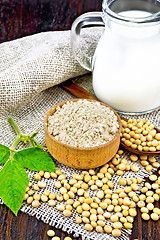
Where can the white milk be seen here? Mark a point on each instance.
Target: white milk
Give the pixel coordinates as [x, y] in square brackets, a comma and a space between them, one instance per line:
[126, 66]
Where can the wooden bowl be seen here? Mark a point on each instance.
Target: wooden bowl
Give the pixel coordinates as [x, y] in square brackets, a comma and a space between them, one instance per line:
[81, 158]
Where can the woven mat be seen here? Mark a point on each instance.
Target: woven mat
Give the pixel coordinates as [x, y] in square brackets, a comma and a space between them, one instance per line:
[28, 68]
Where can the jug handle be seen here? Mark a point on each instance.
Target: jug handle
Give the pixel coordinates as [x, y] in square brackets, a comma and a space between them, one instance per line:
[86, 19]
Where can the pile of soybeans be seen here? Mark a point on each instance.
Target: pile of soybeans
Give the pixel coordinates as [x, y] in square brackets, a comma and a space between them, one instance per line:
[108, 211]
[140, 134]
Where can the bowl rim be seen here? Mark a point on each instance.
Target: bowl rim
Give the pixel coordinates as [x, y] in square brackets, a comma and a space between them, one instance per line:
[52, 110]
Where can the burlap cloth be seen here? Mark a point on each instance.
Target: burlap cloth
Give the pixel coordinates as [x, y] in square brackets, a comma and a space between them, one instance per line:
[29, 70]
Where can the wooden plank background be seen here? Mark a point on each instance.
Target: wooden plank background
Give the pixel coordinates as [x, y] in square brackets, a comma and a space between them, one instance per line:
[20, 18]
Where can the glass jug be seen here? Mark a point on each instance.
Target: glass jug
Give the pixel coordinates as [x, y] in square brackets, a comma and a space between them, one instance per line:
[125, 66]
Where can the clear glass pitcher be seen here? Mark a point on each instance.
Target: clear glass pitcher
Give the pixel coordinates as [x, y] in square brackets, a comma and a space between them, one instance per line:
[125, 66]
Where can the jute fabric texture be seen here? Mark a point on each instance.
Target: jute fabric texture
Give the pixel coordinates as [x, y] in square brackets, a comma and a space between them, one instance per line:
[30, 69]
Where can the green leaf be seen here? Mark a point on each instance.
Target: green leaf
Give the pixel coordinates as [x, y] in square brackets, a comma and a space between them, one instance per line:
[34, 134]
[35, 159]
[4, 153]
[36, 144]
[13, 183]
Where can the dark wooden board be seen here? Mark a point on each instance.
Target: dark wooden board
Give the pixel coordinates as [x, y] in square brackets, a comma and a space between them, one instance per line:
[20, 18]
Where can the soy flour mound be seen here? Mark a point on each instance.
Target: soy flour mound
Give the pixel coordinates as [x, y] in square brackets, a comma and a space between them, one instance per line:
[83, 124]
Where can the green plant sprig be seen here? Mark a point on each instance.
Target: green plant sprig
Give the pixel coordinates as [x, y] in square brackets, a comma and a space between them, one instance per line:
[13, 176]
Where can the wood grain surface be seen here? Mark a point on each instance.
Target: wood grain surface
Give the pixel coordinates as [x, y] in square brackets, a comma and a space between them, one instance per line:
[20, 18]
